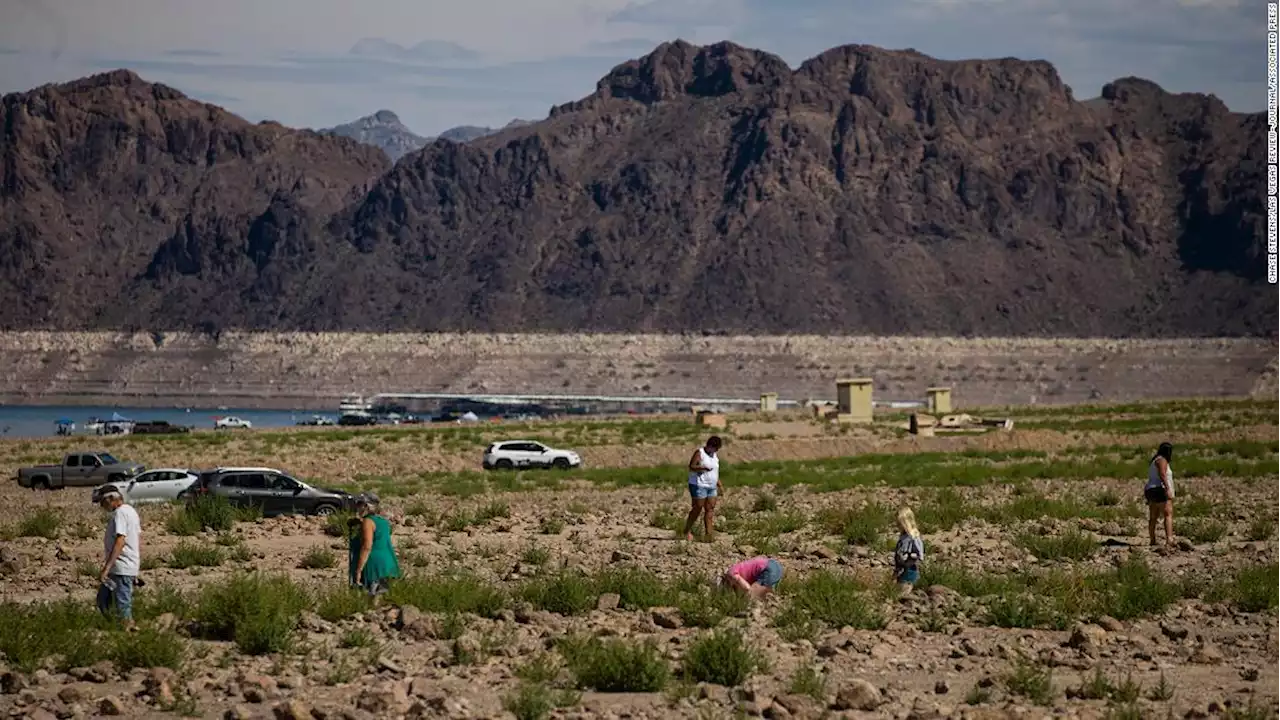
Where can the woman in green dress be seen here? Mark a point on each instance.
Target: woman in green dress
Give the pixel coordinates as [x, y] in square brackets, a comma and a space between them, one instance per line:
[372, 559]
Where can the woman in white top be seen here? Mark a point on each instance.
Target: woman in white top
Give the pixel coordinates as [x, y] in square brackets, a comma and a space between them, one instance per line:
[1159, 493]
[704, 486]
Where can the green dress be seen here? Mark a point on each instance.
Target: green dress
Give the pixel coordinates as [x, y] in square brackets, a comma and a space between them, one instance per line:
[382, 564]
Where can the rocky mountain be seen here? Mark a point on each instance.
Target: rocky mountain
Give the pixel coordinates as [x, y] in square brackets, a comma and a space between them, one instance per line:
[384, 130]
[697, 189]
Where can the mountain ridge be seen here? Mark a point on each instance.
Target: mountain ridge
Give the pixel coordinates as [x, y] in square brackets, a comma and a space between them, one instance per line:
[384, 130]
[702, 189]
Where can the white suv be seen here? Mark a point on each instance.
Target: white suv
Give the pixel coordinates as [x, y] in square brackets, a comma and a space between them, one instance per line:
[231, 422]
[511, 454]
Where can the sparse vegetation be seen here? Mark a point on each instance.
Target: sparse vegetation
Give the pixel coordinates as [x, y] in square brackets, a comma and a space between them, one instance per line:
[489, 555]
[611, 665]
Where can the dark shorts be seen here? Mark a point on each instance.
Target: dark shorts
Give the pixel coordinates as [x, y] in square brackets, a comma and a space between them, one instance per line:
[908, 575]
[1156, 495]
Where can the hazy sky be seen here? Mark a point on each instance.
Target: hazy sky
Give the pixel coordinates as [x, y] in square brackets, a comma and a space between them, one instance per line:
[316, 63]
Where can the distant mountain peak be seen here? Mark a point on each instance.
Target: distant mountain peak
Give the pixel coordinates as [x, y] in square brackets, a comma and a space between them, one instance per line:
[384, 130]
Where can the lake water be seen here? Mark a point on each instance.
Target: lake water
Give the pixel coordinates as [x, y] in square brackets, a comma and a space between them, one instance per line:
[40, 420]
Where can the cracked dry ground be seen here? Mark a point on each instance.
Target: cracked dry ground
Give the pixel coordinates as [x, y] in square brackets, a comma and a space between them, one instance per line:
[1039, 596]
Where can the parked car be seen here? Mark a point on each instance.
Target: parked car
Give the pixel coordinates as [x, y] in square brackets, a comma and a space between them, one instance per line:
[159, 485]
[275, 492]
[512, 454]
[79, 469]
[158, 427]
[231, 422]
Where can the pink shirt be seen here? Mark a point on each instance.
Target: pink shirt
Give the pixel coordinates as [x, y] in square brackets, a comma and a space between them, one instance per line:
[749, 570]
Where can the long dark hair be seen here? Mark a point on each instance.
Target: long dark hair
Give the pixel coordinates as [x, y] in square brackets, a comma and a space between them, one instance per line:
[1165, 451]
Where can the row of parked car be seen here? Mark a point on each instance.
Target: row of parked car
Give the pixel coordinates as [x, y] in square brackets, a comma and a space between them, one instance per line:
[273, 491]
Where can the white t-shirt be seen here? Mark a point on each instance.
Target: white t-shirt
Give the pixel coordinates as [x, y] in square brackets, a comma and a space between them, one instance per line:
[710, 478]
[124, 521]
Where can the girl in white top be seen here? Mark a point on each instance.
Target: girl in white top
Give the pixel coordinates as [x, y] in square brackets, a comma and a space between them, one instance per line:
[704, 486]
[1159, 493]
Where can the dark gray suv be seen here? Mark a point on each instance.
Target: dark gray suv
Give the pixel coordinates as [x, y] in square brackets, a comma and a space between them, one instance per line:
[271, 490]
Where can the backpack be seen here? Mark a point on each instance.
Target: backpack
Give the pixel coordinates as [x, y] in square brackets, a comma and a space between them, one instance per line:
[906, 554]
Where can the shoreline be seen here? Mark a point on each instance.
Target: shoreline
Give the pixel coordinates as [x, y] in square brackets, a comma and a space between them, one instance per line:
[192, 402]
[314, 371]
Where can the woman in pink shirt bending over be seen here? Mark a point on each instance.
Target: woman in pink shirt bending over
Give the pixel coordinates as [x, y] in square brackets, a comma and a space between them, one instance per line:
[756, 577]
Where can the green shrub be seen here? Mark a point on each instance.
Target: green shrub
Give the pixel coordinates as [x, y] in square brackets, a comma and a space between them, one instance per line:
[318, 558]
[565, 593]
[835, 600]
[31, 633]
[1071, 545]
[206, 512]
[41, 523]
[721, 657]
[1031, 681]
[1256, 588]
[707, 607]
[336, 525]
[457, 592]
[637, 588]
[146, 648]
[1201, 530]
[188, 555]
[858, 526]
[258, 612]
[614, 665]
[340, 602]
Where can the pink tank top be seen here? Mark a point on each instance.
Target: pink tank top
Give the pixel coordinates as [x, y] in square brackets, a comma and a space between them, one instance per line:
[749, 570]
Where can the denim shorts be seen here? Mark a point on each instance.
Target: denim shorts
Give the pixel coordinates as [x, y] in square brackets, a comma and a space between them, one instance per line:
[771, 575]
[120, 599]
[909, 575]
[701, 493]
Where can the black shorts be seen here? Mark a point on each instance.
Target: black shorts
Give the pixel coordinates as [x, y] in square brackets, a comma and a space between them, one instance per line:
[1156, 495]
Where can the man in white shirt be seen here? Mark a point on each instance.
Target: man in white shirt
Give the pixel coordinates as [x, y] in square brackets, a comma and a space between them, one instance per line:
[121, 558]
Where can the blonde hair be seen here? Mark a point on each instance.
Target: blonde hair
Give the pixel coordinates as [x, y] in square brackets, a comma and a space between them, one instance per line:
[907, 522]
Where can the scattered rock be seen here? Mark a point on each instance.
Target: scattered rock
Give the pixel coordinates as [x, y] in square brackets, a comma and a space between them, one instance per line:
[1185, 545]
[389, 665]
[941, 687]
[794, 704]
[1087, 638]
[667, 617]
[384, 700]
[1110, 624]
[1249, 674]
[1207, 654]
[608, 601]
[857, 695]
[11, 562]
[12, 683]
[111, 706]
[1173, 631]
[292, 710]
[72, 694]
[620, 556]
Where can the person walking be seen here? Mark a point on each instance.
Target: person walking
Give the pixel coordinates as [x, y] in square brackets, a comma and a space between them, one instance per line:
[704, 487]
[372, 562]
[908, 553]
[121, 558]
[1159, 493]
